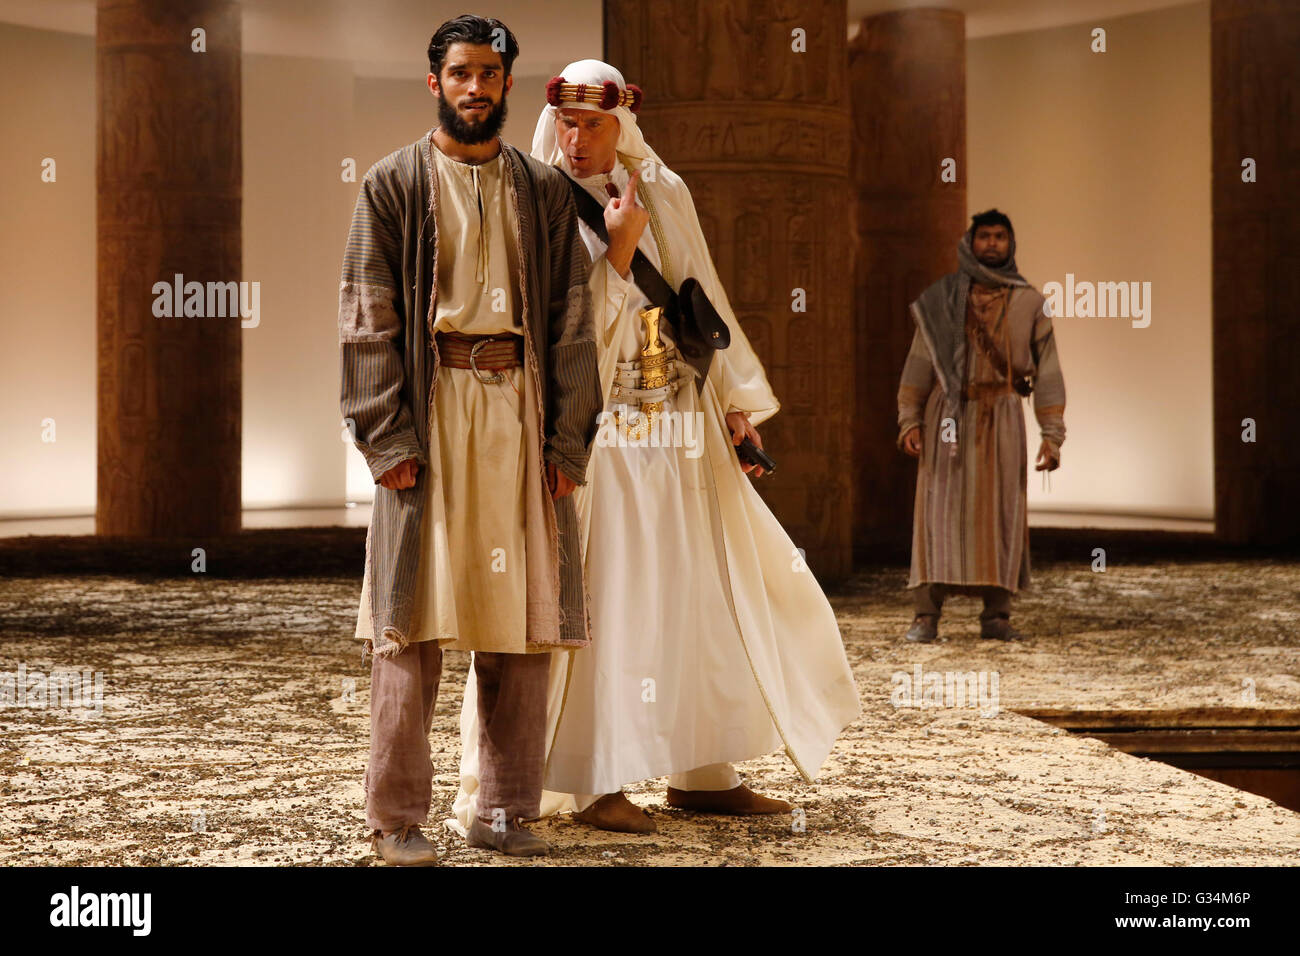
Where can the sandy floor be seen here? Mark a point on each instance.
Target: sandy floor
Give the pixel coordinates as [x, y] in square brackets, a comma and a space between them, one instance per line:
[228, 699]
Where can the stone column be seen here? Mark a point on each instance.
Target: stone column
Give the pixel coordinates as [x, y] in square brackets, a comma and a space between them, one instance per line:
[760, 133]
[907, 80]
[168, 176]
[1255, 89]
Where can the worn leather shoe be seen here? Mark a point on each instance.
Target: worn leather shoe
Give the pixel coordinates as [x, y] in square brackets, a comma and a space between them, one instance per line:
[924, 629]
[405, 847]
[1000, 629]
[738, 802]
[514, 840]
[614, 811]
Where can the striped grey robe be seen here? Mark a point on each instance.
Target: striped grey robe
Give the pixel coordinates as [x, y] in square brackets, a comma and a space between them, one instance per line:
[389, 372]
[970, 520]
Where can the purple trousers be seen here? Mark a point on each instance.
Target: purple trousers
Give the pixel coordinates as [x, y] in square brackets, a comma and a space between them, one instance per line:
[511, 745]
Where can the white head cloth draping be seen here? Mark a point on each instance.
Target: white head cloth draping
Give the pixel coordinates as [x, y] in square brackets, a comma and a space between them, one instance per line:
[546, 145]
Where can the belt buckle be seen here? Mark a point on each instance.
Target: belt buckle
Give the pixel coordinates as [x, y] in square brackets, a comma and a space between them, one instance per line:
[492, 379]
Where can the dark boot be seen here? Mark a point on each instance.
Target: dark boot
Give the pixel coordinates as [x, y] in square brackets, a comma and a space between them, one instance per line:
[924, 629]
[999, 628]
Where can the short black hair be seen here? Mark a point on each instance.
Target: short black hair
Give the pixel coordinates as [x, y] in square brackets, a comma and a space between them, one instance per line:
[480, 31]
[990, 217]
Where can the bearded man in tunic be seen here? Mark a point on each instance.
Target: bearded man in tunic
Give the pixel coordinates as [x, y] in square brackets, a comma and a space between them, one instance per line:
[712, 642]
[983, 341]
[470, 378]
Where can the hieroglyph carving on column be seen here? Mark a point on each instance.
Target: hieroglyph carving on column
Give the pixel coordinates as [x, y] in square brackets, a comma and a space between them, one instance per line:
[747, 102]
[169, 179]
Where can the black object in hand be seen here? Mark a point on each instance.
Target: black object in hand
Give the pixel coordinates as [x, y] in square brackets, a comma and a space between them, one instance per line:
[751, 454]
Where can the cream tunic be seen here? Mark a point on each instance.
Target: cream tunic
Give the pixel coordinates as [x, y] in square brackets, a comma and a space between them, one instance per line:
[474, 588]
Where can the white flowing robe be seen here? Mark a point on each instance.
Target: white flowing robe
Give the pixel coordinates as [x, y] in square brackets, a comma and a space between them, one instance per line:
[711, 640]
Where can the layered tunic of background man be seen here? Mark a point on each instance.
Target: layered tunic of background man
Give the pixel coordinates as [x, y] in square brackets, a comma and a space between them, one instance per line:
[970, 522]
[476, 555]
[711, 641]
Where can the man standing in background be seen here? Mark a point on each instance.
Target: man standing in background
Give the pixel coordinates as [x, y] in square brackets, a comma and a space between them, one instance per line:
[982, 343]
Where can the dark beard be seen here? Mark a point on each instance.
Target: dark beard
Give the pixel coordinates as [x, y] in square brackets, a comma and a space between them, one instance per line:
[471, 134]
[994, 265]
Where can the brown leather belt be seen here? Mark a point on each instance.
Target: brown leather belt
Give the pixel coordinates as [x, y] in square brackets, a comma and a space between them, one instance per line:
[984, 390]
[481, 353]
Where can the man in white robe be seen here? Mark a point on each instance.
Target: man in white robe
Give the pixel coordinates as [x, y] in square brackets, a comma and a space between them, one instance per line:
[712, 642]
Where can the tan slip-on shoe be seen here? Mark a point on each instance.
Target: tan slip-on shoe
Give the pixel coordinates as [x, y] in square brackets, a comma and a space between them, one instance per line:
[405, 847]
[514, 840]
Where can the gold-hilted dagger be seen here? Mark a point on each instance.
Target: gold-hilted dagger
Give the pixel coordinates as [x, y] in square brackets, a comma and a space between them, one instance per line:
[654, 371]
